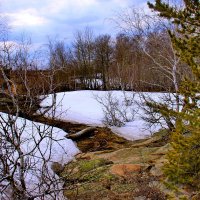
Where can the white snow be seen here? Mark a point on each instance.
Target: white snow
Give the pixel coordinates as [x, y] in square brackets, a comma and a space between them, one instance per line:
[76, 106]
[53, 146]
[82, 107]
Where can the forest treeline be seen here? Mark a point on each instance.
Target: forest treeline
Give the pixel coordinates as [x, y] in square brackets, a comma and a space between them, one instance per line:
[140, 58]
[138, 63]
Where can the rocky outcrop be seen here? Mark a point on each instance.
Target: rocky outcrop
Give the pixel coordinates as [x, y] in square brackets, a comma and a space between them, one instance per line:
[132, 170]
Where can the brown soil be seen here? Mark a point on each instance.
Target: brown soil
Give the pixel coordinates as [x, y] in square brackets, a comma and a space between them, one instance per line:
[102, 139]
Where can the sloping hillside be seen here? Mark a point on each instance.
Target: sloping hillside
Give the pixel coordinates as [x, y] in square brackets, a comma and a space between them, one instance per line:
[132, 169]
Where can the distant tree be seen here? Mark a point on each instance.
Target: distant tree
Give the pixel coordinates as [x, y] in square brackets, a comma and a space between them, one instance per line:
[58, 54]
[124, 70]
[103, 58]
[183, 159]
[83, 51]
[60, 60]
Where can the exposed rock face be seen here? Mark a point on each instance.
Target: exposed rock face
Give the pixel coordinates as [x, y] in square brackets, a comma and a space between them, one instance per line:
[123, 173]
[120, 170]
[124, 169]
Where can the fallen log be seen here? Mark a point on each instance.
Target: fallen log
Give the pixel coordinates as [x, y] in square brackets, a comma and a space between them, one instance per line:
[82, 133]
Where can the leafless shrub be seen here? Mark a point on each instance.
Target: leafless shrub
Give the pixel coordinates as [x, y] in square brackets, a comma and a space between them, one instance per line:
[155, 109]
[27, 149]
[117, 110]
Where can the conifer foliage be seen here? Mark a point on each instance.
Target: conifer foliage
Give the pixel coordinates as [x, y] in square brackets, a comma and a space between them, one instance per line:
[183, 166]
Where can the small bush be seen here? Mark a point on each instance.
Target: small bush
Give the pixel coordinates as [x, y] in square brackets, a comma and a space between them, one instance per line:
[117, 110]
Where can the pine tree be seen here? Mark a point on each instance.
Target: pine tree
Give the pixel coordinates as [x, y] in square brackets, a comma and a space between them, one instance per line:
[183, 166]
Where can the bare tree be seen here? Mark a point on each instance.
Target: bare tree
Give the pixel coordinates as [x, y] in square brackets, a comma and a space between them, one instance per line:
[126, 72]
[153, 40]
[60, 60]
[27, 152]
[27, 149]
[84, 55]
[103, 58]
[117, 109]
[163, 68]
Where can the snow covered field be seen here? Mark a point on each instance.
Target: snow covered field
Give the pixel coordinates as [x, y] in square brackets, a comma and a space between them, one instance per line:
[82, 107]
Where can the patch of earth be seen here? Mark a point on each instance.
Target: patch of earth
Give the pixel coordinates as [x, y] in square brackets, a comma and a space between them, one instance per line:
[102, 139]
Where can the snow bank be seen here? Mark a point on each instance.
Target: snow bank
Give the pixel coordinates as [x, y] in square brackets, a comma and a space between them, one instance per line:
[82, 107]
[53, 146]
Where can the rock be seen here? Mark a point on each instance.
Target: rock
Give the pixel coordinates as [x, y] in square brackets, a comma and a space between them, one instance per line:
[140, 198]
[196, 197]
[146, 142]
[85, 132]
[123, 169]
[83, 156]
[156, 171]
[163, 150]
[112, 173]
[57, 168]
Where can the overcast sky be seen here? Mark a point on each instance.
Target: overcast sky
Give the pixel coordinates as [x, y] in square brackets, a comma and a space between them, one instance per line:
[61, 18]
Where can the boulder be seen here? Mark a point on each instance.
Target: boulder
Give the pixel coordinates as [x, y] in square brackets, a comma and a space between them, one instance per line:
[124, 169]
